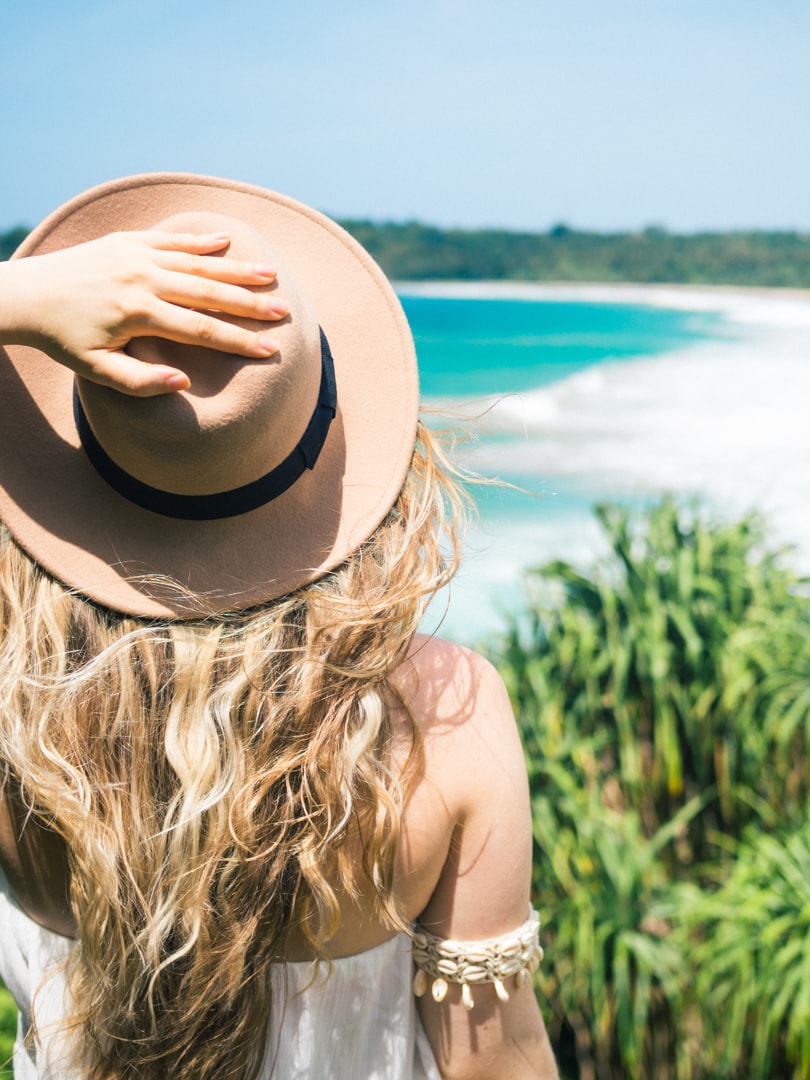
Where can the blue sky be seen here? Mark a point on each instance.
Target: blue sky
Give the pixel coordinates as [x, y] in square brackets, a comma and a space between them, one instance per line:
[519, 113]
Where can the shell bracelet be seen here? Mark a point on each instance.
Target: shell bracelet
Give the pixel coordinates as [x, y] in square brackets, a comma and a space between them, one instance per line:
[472, 963]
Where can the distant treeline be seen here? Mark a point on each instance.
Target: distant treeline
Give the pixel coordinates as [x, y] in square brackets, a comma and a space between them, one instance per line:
[412, 251]
[11, 240]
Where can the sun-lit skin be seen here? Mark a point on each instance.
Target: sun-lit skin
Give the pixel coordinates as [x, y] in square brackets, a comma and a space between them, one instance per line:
[127, 285]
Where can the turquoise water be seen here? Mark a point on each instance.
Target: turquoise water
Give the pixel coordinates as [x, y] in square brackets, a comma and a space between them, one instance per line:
[538, 351]
[473, 347]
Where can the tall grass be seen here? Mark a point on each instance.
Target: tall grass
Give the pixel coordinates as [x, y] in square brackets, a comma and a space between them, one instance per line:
[8, 1030]
[664, 703]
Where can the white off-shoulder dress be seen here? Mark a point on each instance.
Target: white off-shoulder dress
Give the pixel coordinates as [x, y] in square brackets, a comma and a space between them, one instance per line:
[359, 1024]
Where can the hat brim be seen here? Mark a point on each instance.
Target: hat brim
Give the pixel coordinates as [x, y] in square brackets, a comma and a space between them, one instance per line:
[133, 560]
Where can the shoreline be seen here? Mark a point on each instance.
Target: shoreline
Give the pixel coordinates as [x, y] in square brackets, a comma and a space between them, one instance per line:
[740, 304]
[498, 285]
[723, 420]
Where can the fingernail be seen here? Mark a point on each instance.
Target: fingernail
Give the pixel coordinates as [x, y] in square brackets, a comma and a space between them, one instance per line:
[279, 307]
[179, 381]
[268, 345]
[221, 236]
[265, 271]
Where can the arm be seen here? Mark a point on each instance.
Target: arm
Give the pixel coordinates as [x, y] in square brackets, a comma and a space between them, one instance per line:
[483, 891]
[84, 304]
[34, 859]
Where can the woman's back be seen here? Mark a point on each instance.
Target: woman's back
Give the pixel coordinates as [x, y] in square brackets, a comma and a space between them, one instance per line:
[457, 849]
[358, 1022]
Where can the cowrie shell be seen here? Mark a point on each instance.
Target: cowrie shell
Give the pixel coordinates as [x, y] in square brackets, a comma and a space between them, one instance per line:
[477, 956]
[474, 974]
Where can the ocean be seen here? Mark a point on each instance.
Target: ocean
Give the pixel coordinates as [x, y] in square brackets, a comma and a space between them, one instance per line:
[577, 395]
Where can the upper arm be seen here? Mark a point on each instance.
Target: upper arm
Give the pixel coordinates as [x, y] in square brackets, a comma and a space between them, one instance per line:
[483, 891]
[34, 859]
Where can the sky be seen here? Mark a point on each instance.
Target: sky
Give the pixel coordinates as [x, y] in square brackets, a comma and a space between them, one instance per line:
[687, 114]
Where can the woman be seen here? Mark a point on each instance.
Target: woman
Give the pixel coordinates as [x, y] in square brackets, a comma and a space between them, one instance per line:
[234, 774]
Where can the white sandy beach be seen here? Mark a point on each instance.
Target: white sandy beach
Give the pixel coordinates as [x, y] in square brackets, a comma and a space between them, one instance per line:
[726, 419]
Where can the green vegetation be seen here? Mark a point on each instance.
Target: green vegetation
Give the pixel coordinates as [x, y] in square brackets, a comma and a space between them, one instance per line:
[8, 1031]
[10, 241]
[665, 709]
[412, 251]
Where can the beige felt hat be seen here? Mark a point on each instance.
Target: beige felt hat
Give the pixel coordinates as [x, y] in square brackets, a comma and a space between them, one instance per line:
[261, 477]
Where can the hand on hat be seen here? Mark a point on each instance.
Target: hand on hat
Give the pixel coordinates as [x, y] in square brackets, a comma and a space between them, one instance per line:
[84, 304]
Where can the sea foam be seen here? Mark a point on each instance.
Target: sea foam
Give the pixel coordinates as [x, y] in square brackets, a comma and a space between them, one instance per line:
[724, 420]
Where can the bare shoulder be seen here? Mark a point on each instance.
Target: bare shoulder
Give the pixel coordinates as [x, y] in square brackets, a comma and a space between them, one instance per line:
[462, 708]
[440, 664]
[450, 687]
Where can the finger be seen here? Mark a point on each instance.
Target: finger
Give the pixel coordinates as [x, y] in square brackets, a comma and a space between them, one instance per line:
[212, 295]
[189, 251]
[201, 329]
[233, 271]
[199, 243]
[131, 376]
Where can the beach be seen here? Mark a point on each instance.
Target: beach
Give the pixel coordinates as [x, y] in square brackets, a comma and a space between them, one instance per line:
[723, 419]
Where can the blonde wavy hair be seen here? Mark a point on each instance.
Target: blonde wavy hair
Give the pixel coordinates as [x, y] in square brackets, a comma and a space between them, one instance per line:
[217, 782]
